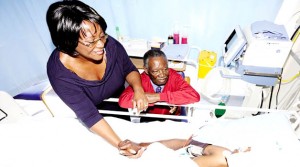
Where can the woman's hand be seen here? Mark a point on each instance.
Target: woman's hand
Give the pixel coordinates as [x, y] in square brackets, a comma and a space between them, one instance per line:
[130, 149]
[139, 101]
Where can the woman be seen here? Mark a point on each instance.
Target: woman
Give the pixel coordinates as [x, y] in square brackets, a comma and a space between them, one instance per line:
[88, 66]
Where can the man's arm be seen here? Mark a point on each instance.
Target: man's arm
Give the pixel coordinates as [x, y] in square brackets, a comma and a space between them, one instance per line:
[125, 99]
[174, 144]
[180, 92]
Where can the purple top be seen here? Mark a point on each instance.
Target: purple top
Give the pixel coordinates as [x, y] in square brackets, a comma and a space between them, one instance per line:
[83, 96]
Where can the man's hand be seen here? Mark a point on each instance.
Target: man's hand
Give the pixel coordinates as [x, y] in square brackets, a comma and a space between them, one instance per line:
[153, 97]
[173, 109]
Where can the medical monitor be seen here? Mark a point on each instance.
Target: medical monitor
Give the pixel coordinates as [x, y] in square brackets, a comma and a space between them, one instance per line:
[234, 46]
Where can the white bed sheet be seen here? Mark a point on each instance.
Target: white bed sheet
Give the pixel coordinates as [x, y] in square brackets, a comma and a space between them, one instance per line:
[271, 137]
[65, 142]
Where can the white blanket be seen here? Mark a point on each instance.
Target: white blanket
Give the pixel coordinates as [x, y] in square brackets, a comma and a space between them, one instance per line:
[66, 142]
[270, 136]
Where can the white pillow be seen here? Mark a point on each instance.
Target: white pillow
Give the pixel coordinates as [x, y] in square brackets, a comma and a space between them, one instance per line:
[11, 111]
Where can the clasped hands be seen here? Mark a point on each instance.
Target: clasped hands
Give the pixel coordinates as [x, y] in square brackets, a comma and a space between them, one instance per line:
[130, 149]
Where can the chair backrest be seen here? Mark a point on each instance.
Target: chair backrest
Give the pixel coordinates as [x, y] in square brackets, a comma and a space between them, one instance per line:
[184, 109]
[55, 105]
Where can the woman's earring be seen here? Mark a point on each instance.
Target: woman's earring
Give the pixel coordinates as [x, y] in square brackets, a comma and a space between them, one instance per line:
[75, 53]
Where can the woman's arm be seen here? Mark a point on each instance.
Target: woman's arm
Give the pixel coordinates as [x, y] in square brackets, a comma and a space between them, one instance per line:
[103, 129]
[139, 100]
[126, 147]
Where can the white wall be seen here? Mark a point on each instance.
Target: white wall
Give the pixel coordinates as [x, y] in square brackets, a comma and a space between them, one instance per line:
[25, 43]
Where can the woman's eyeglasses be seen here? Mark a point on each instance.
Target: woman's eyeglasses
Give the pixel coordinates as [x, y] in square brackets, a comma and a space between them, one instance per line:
[94, 43]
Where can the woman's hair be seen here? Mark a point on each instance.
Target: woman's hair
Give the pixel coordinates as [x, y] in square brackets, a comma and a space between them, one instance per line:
[64, 19]
[152, 53]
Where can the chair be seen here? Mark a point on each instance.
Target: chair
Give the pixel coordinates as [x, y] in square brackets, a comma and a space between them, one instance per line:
[55, 105]
[183, 109]
[33, 92]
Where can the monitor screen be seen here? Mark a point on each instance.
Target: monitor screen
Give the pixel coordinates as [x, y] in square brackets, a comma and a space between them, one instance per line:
[234, 45]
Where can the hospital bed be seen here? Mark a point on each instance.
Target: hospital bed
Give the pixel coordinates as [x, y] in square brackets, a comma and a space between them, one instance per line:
[60, 139]
[31, 141]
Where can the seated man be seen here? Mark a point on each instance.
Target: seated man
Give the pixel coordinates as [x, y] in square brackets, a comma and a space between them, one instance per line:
[161, 84]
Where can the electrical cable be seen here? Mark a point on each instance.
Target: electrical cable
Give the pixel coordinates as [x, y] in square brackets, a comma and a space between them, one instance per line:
[296, 34]
[270, 100]
[279, 85]
[289, 96]
[291, 79]
[262, 99]
[261, 103]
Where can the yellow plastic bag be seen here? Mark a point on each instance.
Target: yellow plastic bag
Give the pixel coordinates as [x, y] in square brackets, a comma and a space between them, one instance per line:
[206, 61]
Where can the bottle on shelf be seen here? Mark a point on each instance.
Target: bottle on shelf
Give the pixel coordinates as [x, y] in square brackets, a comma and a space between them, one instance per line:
[170, 39]
[184, 35]
[176, 38]
[176, 33]
[119, 37]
